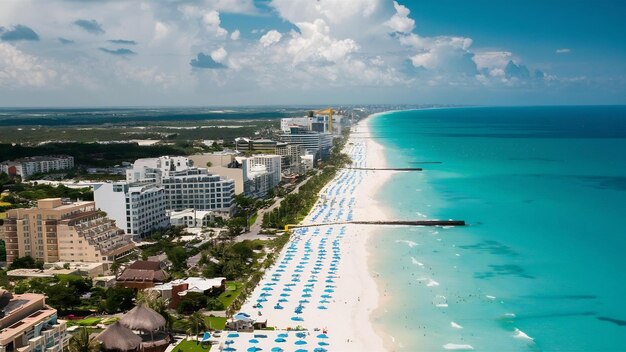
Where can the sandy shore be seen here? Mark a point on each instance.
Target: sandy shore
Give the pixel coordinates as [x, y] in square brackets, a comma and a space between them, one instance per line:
[321, 281]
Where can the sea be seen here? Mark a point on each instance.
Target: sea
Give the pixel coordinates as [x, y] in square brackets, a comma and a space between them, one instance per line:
[541, 264]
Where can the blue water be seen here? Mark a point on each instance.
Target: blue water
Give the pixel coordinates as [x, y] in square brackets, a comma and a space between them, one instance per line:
[543, 190]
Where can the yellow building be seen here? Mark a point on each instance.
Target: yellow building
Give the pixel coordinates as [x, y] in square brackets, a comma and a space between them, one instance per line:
[61, 231]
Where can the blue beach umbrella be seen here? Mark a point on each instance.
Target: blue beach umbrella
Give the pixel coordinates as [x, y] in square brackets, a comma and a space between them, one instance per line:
[280, 339]
[277, 349]
[325, 301]
[283, 300]
[303, 301]
[283, 335]
[254, 349]
[267, 289]
[232, 335]
[322, 336]
[253, 341]
[320, 349]
[230, 349]
[300, 335]
[329, 290]
[322, 307]
[306, 295]
[229, 342]
[301, 350]
[300, 342]
[308, 289]
[322, 343]
[297, 319]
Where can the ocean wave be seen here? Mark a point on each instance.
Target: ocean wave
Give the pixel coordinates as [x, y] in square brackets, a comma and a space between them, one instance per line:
[409, 243]
[519, 334]
[458, 347]
[455, 325]
[416, 262]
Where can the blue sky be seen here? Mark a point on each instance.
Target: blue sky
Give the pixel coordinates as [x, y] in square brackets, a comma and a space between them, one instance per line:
[266, 52]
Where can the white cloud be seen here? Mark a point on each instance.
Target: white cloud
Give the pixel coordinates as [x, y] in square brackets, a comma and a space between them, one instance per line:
[18, 69]
[161, 30]
[212, 22]
[219, 55]
[314, 43]
[235, 35]
[400, 21]
[271, 37]
[563, 51]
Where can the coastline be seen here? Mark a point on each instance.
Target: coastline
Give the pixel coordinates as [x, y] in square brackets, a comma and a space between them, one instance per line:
[318, 292]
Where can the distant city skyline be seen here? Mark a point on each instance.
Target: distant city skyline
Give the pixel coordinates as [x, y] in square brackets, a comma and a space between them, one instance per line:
[77, 53]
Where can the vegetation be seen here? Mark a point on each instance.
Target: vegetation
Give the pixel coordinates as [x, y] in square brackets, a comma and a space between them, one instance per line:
[295, 206]
[233, 289]
[191, 346]
[26, 262]
[83, 342]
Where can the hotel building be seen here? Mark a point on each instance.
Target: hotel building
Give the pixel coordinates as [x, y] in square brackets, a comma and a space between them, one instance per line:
[27, 324]
[27, 167]
[58, 231]
[137, 208]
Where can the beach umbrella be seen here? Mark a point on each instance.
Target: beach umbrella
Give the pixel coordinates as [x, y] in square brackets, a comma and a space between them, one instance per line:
[230, 349]
[322, 336]
[280, 339]
[326, 296]
[267, 289]
[283, 300]
[277, 349]
[261, 300]
[322, 343]
[254, 349]
[330, 280]
[308, 289]
[284, 295]
[320, 349]
[260, 336]
[324, 301]
[300, 342]
[253, 341]
[301, 350]
[306, 295]
[300, 335]
[297, 319]
[229, 342]
[290, 284]
[303, 301]
[322, 307]
[232, 335]
[312, 280]
[287, 289]
[283, 335]
[329, 290]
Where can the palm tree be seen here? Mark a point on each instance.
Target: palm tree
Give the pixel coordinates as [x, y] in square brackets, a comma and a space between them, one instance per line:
[82, 342]
[198, 324]
[153, 300]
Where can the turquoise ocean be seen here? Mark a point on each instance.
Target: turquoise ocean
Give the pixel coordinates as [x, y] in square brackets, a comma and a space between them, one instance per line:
[541, 265]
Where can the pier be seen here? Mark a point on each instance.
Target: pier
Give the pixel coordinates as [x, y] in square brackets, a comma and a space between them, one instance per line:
[384, 223]
[385, 168]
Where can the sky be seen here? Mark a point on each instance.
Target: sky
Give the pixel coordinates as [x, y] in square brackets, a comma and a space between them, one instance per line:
[81, 53]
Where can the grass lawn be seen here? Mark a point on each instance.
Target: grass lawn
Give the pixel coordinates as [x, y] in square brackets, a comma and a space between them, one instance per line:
[85, 322]
[233, 289]
[191, 346]
[253, 219]
[216, 323]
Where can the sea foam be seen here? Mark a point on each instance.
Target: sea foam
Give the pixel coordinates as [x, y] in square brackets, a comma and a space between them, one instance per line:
[458, 347]
[414, 261]
[519, 334]
[409, 243]
[455, 325]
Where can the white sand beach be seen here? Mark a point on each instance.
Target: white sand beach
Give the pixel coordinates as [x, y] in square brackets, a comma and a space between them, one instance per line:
[321, 282]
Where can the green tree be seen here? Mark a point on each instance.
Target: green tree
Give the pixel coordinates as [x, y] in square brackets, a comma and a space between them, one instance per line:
[62, 297]
[119, 299]
[197, 324]
[26, 262]
[82, 342]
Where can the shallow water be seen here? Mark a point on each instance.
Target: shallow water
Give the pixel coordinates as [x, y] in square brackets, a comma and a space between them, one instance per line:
[540, 266]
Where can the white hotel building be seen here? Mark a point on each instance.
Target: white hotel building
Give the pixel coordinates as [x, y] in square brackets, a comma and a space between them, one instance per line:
[185, 186]
[138, 209]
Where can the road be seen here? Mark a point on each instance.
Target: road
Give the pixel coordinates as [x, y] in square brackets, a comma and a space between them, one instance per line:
[255, 229]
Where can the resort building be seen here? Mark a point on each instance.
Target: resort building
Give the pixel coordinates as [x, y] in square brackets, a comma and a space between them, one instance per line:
[291, 154]
[27, 167]
[317, 144]
[56, 230]
[253, 176]
[185, 186]
[255, 145]
[177, 289]
[91, 270]
[192, 218]
[27, 324]
[137, 208]
[142, 274]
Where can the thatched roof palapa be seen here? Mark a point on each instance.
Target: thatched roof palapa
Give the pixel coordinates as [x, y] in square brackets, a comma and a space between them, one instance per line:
[118, 337]
[143, 318]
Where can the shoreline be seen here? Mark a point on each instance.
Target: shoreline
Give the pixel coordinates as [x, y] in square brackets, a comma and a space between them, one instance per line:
[322, 280]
